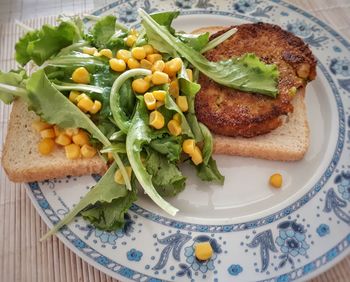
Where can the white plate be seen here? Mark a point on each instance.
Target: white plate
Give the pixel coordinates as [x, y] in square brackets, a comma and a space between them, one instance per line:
[257, 233]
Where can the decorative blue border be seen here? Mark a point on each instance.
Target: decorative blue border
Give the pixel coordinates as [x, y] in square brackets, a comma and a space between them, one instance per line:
[296, 273]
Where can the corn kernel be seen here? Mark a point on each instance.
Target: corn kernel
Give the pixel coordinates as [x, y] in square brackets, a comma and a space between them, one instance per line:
[138, 53]
[181, 101]
[130, 40]
[150, 101]
[154, 57]
[159, 104]
[148, 78]
[110, 156]
[133, 63]
[63, 139]
[159, 78]
[47, 133]
[40, 125]
[156, 119]
[158, 65]
[159, 95]
[173, 66]
[57, 130]
[72, 151]
[81, 75]
[96, 107]
[203, 251]
[188, 146]
[85, 104]
[134, 31]
[145, 64]
[124, 55]
[107, 53]
[196, 156]
[140, 85]
[87, 151]
[177, 117]
[46, 146]
[117, 64]
[174, 127]
[148, 49]
[276, 180]
[118, 177]
[97, 54]
[174, 88]
[71, 131]
[89, 50]
[189, 74]
[82, 138]
[73, 96]
[81, 96]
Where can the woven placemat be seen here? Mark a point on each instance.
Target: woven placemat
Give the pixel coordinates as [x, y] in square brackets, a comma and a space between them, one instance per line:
[22, 256]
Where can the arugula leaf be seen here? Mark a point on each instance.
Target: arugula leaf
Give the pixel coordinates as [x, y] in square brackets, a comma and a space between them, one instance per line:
[210, 172]
[246, 73]
[76, 59]
[11, 86]
[218, 40]
[119, 115]
[165, 19]
[207, 149]
[169, 146]
[166, 177]
[105, 191]
[55, 108]
[195, 41]
[103, 30]
[139, 134]
[22, 55]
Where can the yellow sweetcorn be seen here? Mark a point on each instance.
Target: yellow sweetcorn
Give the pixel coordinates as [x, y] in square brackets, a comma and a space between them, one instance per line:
[173, 66]
[140, 85]
[89, 50]
[181, 101]
[57, 130]
[154, 57]
[134, 31]
[145, 64]
[133, 63]
[124, 55]
[177, 117]
[138, 53]
[196, 156]
[148, 49]
[118, 177]
[73, 96]
[118, 65]
[87, 151]
[159, 77]
[85, 104]
[158, 66]
[148, 78]
[159, 104]
[96, 107]
[159, 95]
[81, 75]
[203, 251]
[188, 146]
[40, 125]
[81, 138]
[63, 139]
[174, 88]
[189, 74]
[46, 146]
[156, 120]
[47, 133]
[71, 131]
[276, 180]
[72, 151]
[150, 101]
[130, 40]
[81, 96]
[174, 127]
[106, 53]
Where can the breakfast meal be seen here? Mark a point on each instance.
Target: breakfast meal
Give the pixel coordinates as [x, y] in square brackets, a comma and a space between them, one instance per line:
[133, 105]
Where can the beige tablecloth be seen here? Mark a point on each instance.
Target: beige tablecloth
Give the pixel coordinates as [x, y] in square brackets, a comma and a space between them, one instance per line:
[22, 256]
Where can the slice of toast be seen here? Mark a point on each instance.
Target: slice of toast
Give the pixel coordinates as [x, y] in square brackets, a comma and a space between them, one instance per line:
[22, 161]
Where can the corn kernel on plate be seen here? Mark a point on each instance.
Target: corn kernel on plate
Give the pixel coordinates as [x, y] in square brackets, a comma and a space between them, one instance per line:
[270, 221]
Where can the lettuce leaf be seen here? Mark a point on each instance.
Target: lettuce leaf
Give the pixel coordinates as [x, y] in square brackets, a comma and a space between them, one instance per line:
[169, 146]
[210, 172]
[22, 55]
[12, 86]
[103, 30]
[246, 73]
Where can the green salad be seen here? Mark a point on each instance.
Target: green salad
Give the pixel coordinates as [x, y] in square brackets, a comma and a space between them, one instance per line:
[132, 92]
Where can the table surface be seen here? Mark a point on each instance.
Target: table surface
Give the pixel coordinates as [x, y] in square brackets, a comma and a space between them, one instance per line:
[22, 256]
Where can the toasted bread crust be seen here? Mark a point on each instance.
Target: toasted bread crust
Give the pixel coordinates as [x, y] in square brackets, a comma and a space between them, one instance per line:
[22, 161]
[231, 112]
